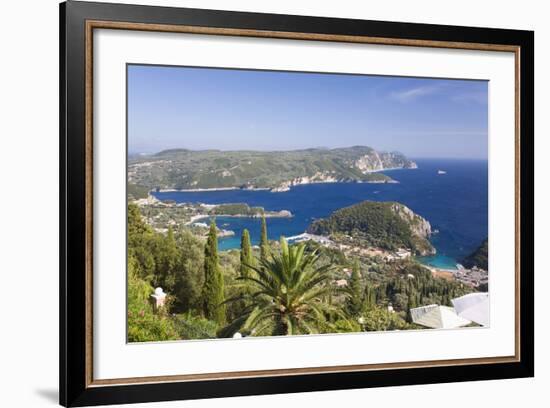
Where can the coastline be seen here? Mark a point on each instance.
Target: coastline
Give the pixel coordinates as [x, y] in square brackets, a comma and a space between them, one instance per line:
[446, 244]
[193, 190]
[392, 169]
[285, 186]
[195, 218]
[273, 189]
[203, 190]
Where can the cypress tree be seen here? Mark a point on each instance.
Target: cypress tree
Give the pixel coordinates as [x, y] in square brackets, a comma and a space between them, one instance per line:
[264, 243]
[246, 254]
[370, 297]
[167, 261]
[213, 291]
[247, 260]
[355, 301]
[411, 304]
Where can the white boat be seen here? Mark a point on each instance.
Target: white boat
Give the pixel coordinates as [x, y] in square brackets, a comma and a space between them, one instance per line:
[441, 172]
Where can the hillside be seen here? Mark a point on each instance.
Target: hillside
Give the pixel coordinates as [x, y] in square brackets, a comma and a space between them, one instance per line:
[479, 258]
[277, 170]
[388, 225]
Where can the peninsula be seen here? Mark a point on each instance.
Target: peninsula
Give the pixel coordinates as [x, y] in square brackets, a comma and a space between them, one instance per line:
[182, 169]
[161, 215]
[386, 225]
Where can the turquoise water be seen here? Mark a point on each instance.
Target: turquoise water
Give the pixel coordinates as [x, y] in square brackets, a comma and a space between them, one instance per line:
[455, 204]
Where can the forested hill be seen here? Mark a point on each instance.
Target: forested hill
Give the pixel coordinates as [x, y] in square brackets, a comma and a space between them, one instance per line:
[479, 258]
[189, 169]
[388, 225]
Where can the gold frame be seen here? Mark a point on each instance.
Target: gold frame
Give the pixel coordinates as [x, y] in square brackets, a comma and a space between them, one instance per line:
[99, 24]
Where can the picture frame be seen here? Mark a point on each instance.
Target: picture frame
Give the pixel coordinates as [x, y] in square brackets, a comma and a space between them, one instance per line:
[79, 21]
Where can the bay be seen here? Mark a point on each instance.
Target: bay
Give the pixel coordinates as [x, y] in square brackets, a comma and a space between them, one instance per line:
[455, 203]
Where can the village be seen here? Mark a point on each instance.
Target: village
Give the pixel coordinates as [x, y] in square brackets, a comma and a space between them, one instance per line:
[473, 277]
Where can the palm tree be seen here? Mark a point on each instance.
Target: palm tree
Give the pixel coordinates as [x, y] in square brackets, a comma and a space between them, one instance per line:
[287, 294]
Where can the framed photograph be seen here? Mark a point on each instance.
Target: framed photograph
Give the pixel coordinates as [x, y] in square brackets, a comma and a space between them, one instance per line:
[256, 204]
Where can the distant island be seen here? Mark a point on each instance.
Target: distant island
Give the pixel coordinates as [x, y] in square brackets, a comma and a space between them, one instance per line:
[182, 169]
[387, 225]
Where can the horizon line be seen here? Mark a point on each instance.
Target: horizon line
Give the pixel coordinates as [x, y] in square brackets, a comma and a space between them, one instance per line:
[412, 157]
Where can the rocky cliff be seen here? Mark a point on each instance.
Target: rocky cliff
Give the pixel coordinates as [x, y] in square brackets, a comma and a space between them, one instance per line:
[277, 170]
[388, 225]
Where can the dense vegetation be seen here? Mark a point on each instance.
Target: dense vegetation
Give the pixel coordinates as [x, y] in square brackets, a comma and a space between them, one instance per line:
[287, 294]
[277, 289]
[386, 225]
[410, 285]
[236, 209]
[479, 258]
[136, 192]
[184, 169]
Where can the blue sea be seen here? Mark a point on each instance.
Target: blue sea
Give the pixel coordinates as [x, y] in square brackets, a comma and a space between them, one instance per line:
[455, 203]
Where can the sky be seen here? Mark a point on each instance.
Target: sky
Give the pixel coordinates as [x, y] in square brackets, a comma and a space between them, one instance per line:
[227, 109]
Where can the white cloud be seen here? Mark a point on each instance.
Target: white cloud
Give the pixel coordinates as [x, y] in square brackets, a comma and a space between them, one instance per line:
[413, 94]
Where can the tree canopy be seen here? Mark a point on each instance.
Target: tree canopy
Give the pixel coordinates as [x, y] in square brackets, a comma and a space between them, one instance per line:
[213, 291]
[278, 289]
[380, 224]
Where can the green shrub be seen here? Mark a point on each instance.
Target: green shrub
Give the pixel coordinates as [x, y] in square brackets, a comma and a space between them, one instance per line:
[195, 327]
[143, 323]
[380, 319]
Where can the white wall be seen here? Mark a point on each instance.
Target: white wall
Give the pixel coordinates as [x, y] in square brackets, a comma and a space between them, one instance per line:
[29, 219]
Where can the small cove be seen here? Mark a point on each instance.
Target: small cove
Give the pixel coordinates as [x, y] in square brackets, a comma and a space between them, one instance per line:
[455, 203]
